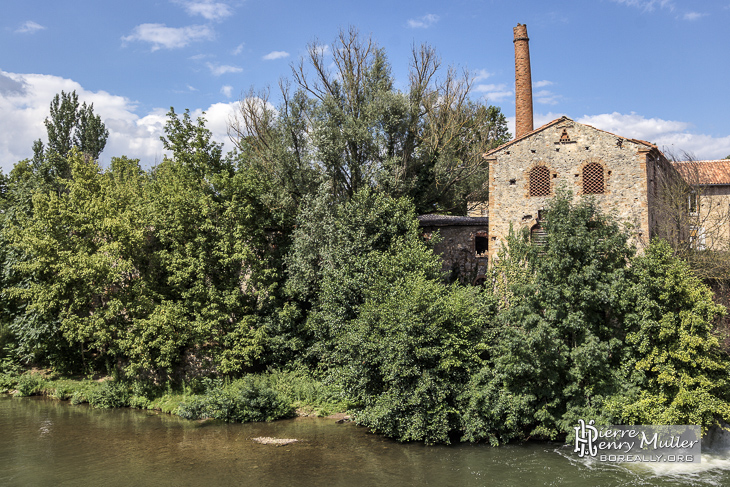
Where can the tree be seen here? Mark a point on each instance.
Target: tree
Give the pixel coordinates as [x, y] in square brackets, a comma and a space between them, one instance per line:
[556, 344]
[382, 325]
[681, 374]
[68, 126]
[192, 145]
[349, 128]
[72, 126]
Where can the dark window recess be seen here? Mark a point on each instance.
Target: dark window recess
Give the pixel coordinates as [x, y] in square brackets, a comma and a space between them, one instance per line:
[481, 244]
[593, 179]
[564, 137]
[539, 181]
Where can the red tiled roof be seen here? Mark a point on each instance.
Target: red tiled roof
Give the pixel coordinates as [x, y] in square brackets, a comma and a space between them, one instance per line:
[704, 172]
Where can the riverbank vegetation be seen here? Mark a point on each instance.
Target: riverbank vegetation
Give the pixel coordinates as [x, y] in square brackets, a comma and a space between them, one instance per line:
[291, 273]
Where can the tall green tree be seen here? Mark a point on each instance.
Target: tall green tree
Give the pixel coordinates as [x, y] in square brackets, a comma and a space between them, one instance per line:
[69, 125]
[348, 127]
[681, 375]
[557, 343]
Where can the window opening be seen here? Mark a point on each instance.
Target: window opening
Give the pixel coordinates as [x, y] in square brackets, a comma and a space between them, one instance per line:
[539, 181]
[692, 202]
[697, 237]
[481, 244]
[593, 179]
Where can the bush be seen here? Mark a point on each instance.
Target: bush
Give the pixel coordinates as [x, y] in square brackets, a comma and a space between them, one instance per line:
[30, 384]
[250, 399]
[110, 394]
[305, 391]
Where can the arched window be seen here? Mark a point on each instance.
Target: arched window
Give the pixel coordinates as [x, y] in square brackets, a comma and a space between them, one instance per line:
[593, 179]
[540, 181]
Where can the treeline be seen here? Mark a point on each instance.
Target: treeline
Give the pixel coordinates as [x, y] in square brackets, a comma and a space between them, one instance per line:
[300, 250]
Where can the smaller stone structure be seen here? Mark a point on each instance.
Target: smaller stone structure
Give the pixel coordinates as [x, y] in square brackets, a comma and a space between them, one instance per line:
[463, 245]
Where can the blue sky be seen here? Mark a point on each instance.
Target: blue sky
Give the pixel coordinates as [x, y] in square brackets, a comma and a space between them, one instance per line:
[651, 69]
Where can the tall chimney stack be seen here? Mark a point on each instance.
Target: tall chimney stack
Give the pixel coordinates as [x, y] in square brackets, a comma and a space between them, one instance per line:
[523, 82]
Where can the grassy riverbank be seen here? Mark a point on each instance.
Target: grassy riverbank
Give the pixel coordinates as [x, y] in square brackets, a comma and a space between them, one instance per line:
[254, 397]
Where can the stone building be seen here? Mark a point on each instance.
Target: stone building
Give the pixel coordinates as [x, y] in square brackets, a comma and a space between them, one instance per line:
[629, 178]
[703, 204]
[622, 174]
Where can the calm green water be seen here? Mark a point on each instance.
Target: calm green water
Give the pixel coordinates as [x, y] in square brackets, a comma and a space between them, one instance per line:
[45, 442]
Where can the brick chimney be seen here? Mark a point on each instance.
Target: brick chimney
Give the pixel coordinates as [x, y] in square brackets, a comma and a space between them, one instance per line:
[523, 82]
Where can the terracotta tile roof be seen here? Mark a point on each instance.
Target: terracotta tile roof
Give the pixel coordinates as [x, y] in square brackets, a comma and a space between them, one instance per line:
[704, 172]
[561, 119]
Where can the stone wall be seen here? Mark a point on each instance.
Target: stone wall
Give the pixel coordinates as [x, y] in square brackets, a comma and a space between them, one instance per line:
[460, 240]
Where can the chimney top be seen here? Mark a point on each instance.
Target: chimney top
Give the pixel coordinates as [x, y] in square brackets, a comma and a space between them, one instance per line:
[523, 82]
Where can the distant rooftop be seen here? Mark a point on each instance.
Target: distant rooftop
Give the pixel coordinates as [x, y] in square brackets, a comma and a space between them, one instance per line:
[705, 173]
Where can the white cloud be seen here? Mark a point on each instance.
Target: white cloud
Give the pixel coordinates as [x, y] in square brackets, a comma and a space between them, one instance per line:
[219, 69]
[481, 75]
[207, 9]
[648, 5]
[542, 84]
[693, 16]
[423, 22]
[633, 125]
[546, 97]
[25, 100]
[670, 135]
[227, 90]
[275, 55]
[322, 49]
[238, 50]
[29, 27]
[217, 117]
[494, 93]
[161, 36]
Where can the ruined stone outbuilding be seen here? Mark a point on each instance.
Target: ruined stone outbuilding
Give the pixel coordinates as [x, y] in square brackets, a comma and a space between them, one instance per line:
[462, 243]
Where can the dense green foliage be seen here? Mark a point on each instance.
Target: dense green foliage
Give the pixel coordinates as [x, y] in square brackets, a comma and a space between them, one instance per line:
[557, 341]
[683, 375]
[251, 399]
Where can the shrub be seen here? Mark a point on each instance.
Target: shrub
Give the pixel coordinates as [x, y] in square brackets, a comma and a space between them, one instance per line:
[250, 399]
[110, 394]
[30, 384]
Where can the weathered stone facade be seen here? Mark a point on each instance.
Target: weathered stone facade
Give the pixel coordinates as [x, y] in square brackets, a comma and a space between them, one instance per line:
[624, 174]
[463, 245]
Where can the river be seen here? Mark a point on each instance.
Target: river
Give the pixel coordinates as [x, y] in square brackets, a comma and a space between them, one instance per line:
[50, 443]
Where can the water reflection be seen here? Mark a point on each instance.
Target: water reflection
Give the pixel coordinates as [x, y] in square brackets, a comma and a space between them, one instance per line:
[45, 442]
